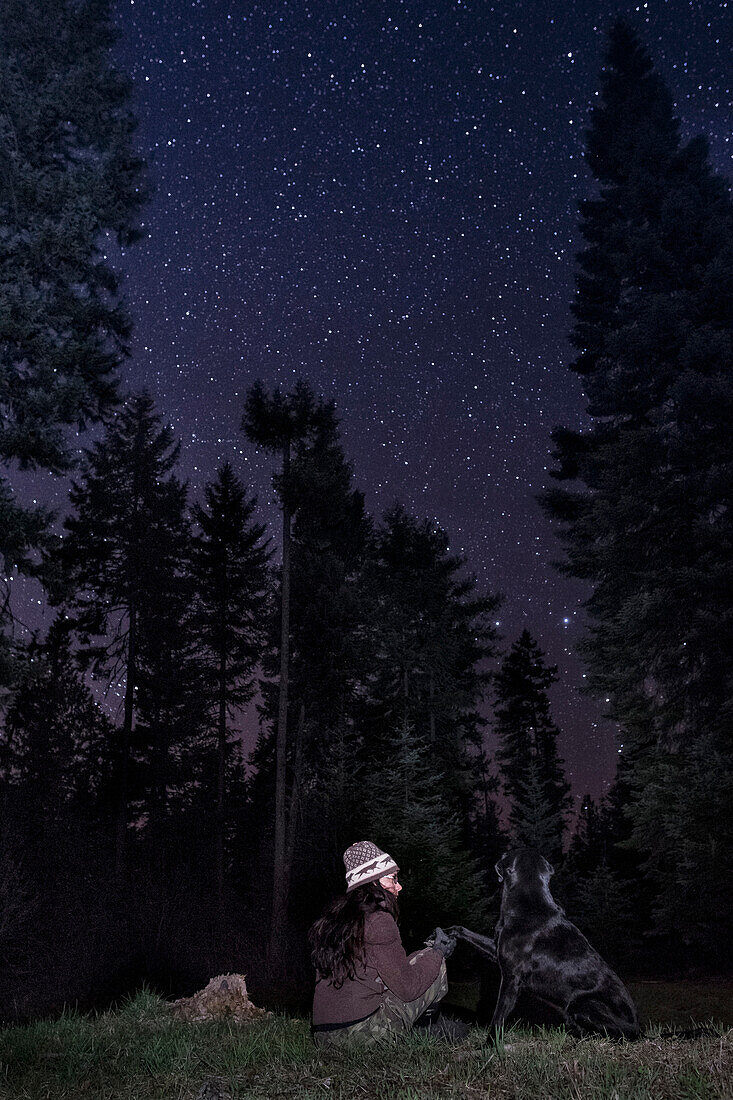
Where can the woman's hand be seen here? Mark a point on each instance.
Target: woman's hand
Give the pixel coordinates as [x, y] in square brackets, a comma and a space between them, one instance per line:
[441, 942]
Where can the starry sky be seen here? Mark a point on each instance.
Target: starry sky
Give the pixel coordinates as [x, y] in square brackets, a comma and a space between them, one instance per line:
[381, 197]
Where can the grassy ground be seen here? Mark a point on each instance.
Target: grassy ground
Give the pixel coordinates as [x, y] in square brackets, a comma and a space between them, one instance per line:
[669, 1003]
[677, 1003]
[140, 1053]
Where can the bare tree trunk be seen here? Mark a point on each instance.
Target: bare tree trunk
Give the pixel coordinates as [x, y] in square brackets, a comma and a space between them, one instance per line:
[294, 798]
[124, 763]
[405, 737]
[220, 787]
[279, 883]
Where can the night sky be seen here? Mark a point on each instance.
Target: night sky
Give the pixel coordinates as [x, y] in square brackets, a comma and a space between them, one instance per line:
[382, 199]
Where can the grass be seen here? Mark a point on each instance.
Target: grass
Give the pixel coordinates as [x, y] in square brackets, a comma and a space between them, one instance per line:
[679, 1003]
[141, 1053]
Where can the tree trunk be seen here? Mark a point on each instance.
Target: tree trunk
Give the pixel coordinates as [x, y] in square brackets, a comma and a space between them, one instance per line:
[294, 798]
[405, 739]
[124, 763]
[220, 787]
[279, 883]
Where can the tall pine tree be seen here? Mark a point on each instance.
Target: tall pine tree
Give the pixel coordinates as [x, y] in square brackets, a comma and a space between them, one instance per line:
[57, 932]
[120, 567]
[71, 186]
[412, 813]
[330, 531]
[532, 771]
[231, 579]
[330, 535]
[430, 635]
[277, 422]
[55, 753]
[433, 634]
[648, 522]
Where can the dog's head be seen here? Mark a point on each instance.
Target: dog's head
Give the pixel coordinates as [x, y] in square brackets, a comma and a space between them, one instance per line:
[524, 866]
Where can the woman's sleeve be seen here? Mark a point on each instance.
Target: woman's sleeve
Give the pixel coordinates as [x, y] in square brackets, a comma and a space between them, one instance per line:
[405, 978]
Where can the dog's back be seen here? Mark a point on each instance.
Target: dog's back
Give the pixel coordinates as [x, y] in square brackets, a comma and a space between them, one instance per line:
[540, 950]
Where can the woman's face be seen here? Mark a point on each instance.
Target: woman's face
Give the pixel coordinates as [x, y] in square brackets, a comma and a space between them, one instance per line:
[390, 883]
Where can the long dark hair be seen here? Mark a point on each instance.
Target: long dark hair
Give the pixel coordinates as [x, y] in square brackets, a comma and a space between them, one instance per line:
[337, 938]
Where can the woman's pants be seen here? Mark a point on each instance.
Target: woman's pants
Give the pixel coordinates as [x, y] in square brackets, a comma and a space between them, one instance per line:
[392, 1017]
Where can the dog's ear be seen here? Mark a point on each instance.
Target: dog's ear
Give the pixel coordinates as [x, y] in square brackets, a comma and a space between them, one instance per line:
[507, 866]
[549, 869]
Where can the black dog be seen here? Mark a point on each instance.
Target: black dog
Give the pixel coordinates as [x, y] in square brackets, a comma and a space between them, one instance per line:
[539, 950]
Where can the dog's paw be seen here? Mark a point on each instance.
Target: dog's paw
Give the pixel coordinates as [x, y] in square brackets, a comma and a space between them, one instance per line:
[442, 942]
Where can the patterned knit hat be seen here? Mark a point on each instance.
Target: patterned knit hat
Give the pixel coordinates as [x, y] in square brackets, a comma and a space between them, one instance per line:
[366, 863]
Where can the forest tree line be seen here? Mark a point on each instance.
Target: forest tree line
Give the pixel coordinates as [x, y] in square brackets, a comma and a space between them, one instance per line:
[148, 820]
[135, 840]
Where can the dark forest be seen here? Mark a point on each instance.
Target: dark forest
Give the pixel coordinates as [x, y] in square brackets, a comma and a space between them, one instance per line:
[139, 843]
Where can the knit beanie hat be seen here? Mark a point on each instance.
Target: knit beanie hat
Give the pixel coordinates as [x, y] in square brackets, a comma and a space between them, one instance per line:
[366, 863]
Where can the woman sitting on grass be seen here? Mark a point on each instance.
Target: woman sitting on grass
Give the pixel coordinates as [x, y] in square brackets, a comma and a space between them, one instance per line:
[367, 987]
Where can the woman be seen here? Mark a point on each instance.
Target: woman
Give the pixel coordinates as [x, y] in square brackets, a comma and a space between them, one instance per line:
[367, 987]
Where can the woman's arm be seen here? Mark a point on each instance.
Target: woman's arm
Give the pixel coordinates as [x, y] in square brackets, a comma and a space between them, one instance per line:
[383, 948]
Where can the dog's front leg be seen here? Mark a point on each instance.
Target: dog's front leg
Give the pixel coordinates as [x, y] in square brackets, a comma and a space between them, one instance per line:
[508, 993]
[486, 945]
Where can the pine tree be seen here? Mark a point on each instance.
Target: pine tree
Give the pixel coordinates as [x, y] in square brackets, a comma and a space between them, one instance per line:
[56, 768]
[590, 842]
[277, 423]
[488, 838]
[121, 565]
[533, 822]
[70, 187]
[327, 658]
[682, 825]
[431, 635]
[605, 913]
[169, 746]
[230, 568]
[600, 884]
[648, 522]
[531, 769]
[330, 538]
[55, 746]
[409, 808]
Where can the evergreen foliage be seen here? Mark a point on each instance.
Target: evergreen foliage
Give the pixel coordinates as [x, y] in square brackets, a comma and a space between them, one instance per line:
[590, 842]
[600, 886]
[55, 759]
[488, 839]
[648, 521]
[230, 566]
[56, 832]
[531, 769]
[331, 535]
[412, 814]
[231, 583]
[649, 525]
[605, 913]
[533, 822]
[431, 638]
[278, 422]
[122, 570]
[682, 825]
[330, 532]
[71, 189]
